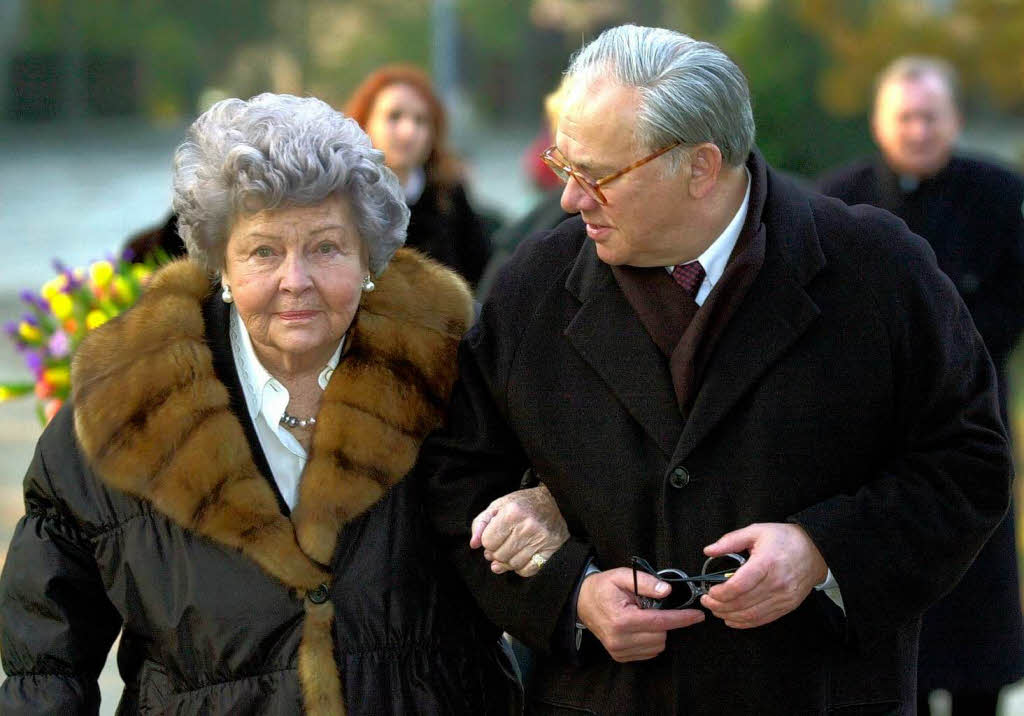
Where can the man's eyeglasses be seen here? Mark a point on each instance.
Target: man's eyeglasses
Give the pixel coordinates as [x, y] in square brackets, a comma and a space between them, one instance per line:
[592, 187]
[685, 589]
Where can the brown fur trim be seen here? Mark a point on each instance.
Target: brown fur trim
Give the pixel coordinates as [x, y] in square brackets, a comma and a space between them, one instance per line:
[389, 391]
[318, 673]
[153, 420]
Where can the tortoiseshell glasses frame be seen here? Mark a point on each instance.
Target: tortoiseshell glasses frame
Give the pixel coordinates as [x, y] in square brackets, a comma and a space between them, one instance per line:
[564, 170]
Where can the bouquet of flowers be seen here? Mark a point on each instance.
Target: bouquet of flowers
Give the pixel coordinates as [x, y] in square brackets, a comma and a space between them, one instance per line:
[68, 306]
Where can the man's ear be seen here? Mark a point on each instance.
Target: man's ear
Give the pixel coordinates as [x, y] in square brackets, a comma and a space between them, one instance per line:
[704, 166]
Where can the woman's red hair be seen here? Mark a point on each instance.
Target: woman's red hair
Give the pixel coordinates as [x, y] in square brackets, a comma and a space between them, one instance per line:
[441, 166]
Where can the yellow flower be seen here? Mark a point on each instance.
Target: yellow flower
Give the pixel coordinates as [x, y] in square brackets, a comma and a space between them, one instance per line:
[123, 289]
[29, 332]
[5, 393]
[141, 273]
[61, 305]
[95, 319]
[57, 377]
[54, 286]
[101, 272]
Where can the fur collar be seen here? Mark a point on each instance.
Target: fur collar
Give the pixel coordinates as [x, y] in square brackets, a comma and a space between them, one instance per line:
[153, 420]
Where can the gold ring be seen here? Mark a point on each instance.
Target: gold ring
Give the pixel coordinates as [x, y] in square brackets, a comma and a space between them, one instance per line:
[538, 561]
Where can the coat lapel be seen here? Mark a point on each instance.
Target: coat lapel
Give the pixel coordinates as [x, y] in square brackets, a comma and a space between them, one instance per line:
[216, 318]
[627, 360]
[390, 390]
[153, 420]
[775, 313]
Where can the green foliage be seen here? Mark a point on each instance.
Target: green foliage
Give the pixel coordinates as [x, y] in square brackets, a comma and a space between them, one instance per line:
[375, 34]
[175, 43]
[499, 26]
[782, 62]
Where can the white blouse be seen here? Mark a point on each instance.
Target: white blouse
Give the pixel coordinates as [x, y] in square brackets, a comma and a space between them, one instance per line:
[267, 399]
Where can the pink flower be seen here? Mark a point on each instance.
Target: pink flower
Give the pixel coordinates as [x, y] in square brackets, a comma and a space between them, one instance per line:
[51, 408]
[59, 344]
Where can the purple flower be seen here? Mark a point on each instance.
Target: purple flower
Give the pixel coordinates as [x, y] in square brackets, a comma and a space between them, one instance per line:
[34, 362]
[30, 319]
[73, 283]
[127, 255]
[59, 344]
[60, 267]
[11, 328]
[30, 297]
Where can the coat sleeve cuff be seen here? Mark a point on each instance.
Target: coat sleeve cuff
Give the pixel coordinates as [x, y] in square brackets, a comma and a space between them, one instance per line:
[548, 612]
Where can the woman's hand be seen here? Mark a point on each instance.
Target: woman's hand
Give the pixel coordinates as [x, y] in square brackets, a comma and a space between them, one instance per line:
[520, 531]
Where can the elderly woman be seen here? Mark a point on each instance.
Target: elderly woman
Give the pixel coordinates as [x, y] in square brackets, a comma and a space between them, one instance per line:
[226, 486]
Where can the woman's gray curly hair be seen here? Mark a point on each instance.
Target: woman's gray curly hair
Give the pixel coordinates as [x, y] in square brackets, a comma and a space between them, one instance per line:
[277, 150]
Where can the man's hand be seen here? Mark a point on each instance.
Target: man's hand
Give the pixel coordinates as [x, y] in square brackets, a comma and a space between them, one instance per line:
[518, 526]
[608, 608]
[783, 568]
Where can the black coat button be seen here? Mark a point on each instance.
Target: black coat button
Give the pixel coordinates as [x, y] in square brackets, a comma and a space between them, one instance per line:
[318, 595]
[680, 477]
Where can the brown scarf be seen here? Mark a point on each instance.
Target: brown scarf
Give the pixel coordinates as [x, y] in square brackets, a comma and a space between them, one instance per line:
[685, 333]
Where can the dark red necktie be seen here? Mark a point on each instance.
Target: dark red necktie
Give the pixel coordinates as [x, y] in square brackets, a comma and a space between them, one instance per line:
[690, 276]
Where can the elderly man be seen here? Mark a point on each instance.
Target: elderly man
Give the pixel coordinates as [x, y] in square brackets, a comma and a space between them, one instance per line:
[709, 361]
[969, 211]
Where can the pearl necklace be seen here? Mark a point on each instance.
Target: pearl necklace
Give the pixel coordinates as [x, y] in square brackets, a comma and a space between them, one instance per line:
[290, 421]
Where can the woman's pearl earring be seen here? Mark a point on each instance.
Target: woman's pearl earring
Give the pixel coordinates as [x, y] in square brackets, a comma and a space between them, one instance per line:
[368, 284]
[225, 294]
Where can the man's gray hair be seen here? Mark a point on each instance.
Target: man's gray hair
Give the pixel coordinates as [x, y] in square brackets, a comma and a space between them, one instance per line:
[690, 91]
[914, 67]
[274, 151]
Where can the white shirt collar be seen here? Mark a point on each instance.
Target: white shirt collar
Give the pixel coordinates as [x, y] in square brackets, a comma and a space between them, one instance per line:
[414, 185]
[254, 377]
[716, 256]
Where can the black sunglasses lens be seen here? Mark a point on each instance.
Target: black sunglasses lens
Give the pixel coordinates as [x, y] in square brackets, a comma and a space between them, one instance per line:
[721, 568]
[682, 591]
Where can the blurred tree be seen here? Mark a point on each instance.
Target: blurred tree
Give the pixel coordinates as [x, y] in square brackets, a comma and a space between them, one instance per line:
[349, 40]
[517, 50]
[982, 38]
[512, 61]
[794, 131]
[699, 18]
[175, 45]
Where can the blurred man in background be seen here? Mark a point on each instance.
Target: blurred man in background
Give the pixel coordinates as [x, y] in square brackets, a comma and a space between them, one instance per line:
[970, 213]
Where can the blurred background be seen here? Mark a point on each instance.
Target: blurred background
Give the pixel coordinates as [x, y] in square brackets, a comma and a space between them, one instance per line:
[94, 96]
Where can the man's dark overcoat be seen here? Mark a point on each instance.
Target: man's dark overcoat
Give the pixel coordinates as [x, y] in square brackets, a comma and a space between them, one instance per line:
[970, 213]
[849, 393]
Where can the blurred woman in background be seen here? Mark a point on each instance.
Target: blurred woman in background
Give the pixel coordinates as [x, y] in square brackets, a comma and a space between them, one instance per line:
[397, 106]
